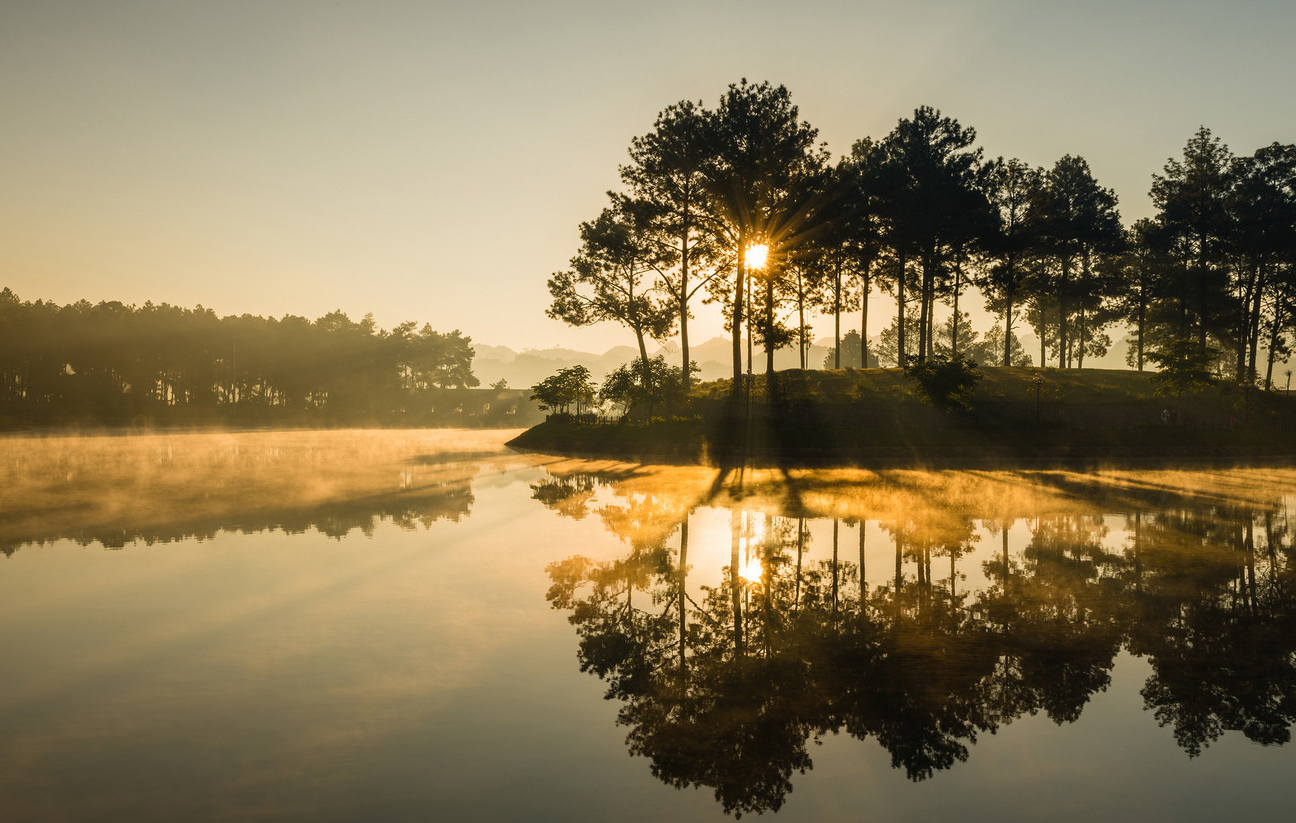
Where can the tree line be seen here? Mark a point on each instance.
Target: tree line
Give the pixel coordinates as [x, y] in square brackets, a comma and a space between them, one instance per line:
[740, 205]
[110, 362]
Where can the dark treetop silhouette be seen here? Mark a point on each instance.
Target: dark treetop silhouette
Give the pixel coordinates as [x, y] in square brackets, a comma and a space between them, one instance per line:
[111, 363]
[924, 214]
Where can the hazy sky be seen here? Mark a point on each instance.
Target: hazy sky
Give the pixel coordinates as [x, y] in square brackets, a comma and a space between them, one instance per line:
[432, 161]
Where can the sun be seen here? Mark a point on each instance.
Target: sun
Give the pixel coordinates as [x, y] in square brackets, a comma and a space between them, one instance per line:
[752, 570]
[755, 256]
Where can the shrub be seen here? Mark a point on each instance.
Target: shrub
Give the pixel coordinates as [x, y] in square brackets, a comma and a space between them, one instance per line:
[626, 387]
[1184, 367]
[569, 387]
[945, 382]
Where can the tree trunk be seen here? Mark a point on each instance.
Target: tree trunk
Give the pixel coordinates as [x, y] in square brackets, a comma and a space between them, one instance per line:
[1255, 321]
[922, 316]
[929, 295]
[751, 336]
[737, 317]
[924, 310]
[645, 372]
[801, 324]
[958, 277]
[1082, 332]
[1063, 353]
[864, 295]
[1080, 339]
[1273, 342]
[683, 309]
[900, 321]
[1201, 302]
[837, 314]
[1243, 305]
[1008, 338]
[769, 321]
[1043, 331]
[1142, 326]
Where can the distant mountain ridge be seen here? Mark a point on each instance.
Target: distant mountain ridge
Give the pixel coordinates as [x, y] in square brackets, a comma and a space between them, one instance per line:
[522, 369]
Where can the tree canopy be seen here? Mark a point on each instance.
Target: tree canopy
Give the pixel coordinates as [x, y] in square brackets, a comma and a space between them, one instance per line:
[924, 214]
[115, 362]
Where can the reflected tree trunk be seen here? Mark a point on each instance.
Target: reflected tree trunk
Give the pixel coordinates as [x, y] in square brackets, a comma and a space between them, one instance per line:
[1138, 545]
[1249, 546]
[899, 560]
[735, 581]
[953, 573]
[863, 583]
[836, 526]
[683, 598]
[1006, 525]
[801, 534]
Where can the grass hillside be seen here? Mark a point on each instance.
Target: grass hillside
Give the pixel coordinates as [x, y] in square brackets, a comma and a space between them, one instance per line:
[873, 416]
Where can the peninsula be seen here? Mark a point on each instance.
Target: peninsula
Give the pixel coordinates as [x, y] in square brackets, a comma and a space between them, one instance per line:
[878, 418]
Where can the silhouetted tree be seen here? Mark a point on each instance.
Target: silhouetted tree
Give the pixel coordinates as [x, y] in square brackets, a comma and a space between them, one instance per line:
[1015, 192]
[1262, 245]
[931, 196]
[1078, 224]
[763, 183]
[111, 362]
[568, 388]
[667, 171]
[624, 386]
[1192, 208]
[613, 277]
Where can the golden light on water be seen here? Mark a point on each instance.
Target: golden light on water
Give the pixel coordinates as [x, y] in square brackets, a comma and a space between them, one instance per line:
[755, 256]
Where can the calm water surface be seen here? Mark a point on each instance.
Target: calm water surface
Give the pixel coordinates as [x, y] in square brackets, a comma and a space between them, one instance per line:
[426, 626]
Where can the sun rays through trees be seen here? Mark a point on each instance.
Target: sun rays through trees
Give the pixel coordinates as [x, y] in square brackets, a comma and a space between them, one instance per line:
[926, 217]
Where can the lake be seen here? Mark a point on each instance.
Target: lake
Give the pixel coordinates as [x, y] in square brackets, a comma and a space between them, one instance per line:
[424, 625]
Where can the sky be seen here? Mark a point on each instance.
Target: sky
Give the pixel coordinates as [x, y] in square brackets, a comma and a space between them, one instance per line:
[432, 161]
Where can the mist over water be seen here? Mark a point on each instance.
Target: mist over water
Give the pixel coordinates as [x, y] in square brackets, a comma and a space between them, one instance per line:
[118, 489]
[391, 625]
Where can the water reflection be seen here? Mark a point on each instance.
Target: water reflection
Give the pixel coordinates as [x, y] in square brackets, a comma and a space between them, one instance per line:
[161, 488]
[1010, 594]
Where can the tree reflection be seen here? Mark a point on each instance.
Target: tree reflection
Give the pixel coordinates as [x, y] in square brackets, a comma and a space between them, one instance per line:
[726, 688]
[1221, 632]
[162, 488]
[569, 495]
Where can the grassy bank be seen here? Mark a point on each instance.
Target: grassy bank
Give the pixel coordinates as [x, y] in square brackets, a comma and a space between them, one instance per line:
[875, 417]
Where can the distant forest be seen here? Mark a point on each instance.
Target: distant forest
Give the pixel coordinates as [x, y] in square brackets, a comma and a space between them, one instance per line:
[741, 205]
[110, 363]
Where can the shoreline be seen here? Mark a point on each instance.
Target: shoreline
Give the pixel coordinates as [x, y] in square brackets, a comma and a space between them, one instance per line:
[701, 450]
